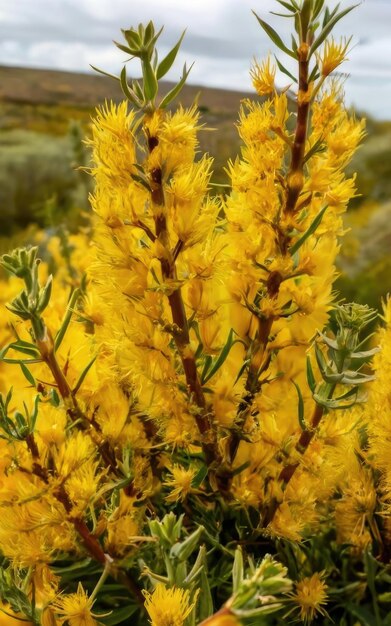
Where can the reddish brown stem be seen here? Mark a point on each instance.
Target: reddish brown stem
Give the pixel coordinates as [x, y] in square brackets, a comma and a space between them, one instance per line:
[46, 348]
[88, 539]
[295, 176]
[179, 318]
[256, 368]
[288, 471]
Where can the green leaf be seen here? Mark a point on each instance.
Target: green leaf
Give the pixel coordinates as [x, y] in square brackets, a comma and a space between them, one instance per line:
[357, 380]
[22, 346]
[138, 90]
[44, 295]
[242, 370]
[310, 376]
[237, 570]
[150, 82]
[205, 602]
[328, 28]
[66, 319]
[305, 16]
[199, 477]
[27, 374]
[215, 366]
[166, 63]
[314, 74]
[96, 69]
[128, 92]
[287, 6]
[141, 180]
[123, 48]
[364, 354]
[319, 146]
[321, 361]
[275, 37]
[169, 97]
[284, 70]
[182, 550]
[300, 407]
[83, 375]
[311, 229]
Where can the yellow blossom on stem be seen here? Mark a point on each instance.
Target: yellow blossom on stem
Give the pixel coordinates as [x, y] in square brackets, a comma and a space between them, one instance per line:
[179, 483]
[310, 595]
[263, 76]
[75, 608]
[168, 607]
[333, 55]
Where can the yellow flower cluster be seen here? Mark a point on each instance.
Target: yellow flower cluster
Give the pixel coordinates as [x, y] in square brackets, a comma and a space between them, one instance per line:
[171, 364]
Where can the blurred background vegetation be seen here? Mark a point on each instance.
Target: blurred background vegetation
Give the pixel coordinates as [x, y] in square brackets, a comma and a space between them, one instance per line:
[45, 116]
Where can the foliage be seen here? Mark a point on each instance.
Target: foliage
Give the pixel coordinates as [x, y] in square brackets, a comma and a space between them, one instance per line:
[187, 438]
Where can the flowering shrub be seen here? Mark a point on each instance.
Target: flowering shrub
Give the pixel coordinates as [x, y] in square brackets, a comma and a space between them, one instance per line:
[183, 425]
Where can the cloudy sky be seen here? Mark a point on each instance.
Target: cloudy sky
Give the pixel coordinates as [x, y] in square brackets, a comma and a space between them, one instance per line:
[222, 37]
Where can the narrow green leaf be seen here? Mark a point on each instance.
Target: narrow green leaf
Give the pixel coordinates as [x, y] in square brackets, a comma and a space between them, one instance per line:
[169, 97]
[205, 369]
[221, 358]
[128, 92]
[96, 69]
[287, 6]
[242, 370]
[44, 295]
[199, 477]
[321, 361]
[27, 374]
[24, 347]
[310, 376]
[166, 63]
[364, 354]
[311, 229]
[319, 146]
[315, 74]
[328, 28]
[83, 375]
[205, 602]
[138, 90]
[284, 70]
[300, 406]
[150, 82]
[142, 181]
[357, 380]
[66, 319]
[123, 48]
[317, 8]
[275, 37]
[237, 570]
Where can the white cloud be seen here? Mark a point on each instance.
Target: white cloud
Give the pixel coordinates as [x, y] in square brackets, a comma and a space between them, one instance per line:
[222, 37]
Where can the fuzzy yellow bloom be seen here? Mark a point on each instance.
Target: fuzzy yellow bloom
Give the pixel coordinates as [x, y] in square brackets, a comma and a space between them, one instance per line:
[168, 607]
[263, 76]
[333, 55]
[75, 608]
[179, 483]
[311, 595]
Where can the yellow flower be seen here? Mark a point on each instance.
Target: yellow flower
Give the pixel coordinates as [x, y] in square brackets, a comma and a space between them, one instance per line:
[179, 483]
[333, 55]
[168, 607]
[263, 76]
[75, 608]
[310, 595]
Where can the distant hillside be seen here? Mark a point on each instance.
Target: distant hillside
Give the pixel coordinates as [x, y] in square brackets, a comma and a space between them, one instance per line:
[36, 86]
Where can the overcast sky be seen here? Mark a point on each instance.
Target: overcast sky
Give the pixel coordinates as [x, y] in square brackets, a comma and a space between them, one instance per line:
[222, 37]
